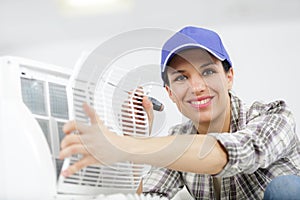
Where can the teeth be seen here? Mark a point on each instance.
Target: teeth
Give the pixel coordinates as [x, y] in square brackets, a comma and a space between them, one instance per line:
[200, 102]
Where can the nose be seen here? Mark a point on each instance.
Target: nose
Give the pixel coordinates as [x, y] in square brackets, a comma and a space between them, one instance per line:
[198, 85]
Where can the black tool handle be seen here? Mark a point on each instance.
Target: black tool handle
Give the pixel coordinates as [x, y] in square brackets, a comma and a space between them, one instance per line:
[157, 105]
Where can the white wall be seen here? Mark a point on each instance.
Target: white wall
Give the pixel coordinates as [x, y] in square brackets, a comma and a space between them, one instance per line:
[264, 55]
[266, 62]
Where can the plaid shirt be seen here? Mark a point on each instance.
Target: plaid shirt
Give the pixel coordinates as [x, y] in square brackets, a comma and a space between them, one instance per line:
[261, 145]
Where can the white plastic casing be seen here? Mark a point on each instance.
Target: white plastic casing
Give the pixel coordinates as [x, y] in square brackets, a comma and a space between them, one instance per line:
[26, 168]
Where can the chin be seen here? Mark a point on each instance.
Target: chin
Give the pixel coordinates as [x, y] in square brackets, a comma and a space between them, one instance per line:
[201, 120]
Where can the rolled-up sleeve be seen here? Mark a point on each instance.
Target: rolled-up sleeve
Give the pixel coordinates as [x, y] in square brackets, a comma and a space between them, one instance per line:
[266, 138]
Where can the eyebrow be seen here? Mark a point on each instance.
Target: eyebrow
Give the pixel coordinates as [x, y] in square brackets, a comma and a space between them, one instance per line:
[181, 71]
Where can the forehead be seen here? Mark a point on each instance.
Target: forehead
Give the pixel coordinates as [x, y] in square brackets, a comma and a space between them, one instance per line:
[191, 57]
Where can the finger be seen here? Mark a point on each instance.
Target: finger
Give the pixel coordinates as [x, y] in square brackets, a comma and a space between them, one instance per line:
[75, 127]
[91, 113]
[69, 127]
[84, 162]
[72, 150]
[69, 140]
[147, 104]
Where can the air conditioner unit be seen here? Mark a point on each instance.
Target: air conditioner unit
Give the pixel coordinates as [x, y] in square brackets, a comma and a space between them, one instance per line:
[36, 99]
[26, 165]
[41, 90]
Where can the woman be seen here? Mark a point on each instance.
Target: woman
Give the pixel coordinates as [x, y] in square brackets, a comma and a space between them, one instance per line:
[225, 151]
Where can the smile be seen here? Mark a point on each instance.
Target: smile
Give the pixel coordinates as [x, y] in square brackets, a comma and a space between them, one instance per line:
[201, 102]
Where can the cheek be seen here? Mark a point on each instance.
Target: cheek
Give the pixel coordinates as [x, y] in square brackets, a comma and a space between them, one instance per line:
[178, 93]
[219, 84]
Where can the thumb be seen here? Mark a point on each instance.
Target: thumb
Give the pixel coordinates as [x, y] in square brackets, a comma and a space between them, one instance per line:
[148, 106]
[91, 113]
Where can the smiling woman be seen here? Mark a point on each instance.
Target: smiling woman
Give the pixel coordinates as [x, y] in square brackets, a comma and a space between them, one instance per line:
[225, 150]
[199, 85]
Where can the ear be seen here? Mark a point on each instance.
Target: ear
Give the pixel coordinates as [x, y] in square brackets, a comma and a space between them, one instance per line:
[230, 75]
[171, 95]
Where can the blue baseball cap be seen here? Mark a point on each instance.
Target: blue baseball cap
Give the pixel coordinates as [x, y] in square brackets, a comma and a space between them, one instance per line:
[193, 37]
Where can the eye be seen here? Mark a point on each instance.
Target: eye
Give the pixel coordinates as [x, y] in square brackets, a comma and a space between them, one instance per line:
[180, 78]
[208, 72]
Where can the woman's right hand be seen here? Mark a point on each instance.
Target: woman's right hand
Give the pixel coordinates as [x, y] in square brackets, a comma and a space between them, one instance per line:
[137, 111]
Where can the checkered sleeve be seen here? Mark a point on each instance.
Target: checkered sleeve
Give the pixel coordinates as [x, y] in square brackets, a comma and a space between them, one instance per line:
[162, 182]
[268, 136]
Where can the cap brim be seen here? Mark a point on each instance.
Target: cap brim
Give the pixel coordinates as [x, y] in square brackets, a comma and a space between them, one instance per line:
[188, 46]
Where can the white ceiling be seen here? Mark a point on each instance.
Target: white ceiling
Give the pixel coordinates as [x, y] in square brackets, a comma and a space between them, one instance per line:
[28, 23]
[24, 22]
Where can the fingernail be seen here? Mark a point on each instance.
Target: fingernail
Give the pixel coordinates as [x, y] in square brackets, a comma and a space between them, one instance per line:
[147, 101]
[60, 156]
[65, 173]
